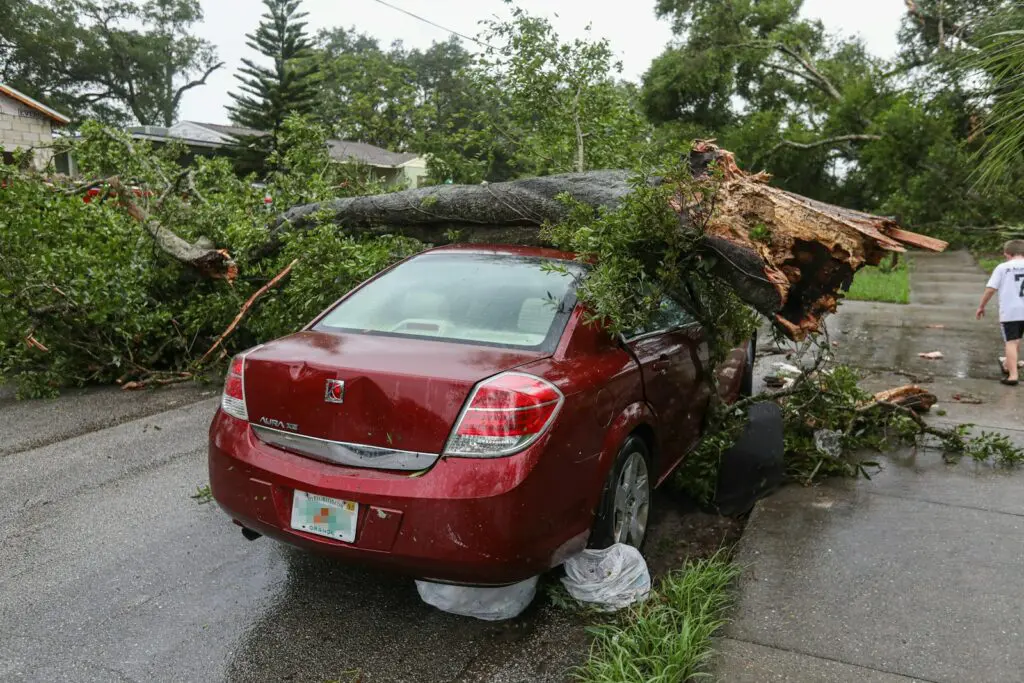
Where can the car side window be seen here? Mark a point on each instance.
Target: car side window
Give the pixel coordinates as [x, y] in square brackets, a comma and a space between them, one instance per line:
[670, 315]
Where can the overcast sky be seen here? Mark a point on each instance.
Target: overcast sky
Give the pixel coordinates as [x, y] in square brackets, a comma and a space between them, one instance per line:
[634, 32]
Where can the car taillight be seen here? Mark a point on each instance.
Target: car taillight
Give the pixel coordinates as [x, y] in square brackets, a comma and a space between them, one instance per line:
[504, 414]
[232, 401]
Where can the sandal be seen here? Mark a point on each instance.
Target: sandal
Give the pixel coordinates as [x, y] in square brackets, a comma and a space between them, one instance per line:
[1002, 368]
[1009, 382]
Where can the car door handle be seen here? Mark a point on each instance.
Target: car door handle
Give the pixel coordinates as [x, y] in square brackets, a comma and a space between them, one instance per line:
[661, 365]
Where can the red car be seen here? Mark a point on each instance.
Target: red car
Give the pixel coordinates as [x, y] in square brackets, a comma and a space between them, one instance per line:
[455, 418]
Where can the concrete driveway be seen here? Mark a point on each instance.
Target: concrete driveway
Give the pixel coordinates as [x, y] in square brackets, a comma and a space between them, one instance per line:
[110, 571]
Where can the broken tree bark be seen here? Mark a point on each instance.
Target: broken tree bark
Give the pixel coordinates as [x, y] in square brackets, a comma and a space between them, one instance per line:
[793, 276]
[216, 263]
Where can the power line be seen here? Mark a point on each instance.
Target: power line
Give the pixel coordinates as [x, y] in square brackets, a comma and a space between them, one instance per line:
[434, 24]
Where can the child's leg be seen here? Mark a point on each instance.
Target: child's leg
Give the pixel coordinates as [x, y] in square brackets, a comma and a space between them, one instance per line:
[1012, 354]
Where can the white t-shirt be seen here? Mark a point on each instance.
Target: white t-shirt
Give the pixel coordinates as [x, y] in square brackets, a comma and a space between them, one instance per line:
[1008, 278]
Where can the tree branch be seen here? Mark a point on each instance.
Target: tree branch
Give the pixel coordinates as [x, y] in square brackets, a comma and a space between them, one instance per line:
[214, 263]
[815, 248]
[818, 77]
[176, 100]
[791, 72]
[959, 31]
[859, 137]
[245, 309]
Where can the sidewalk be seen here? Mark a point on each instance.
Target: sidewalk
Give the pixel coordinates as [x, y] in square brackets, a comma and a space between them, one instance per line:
[916, 574]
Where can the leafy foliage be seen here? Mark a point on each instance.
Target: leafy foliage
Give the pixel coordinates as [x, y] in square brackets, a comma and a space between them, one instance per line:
[642, 253]
[85, 296]
[588, 120]
[366, 94]
[829, 422]
[1002, 57]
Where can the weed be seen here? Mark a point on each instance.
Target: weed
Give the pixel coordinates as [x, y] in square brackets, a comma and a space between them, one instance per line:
[560, 597]
[668, 636]
[202, 494]
[988, 262]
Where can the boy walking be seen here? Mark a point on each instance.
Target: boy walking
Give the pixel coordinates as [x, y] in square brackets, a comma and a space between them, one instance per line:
[1008, 280]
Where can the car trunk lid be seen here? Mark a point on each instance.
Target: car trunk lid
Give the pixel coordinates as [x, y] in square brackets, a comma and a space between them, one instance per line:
[398, 394]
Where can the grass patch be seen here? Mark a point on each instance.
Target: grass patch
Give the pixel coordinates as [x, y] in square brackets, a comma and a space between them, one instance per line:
[885, 282]
[987, 261]
[666, 638]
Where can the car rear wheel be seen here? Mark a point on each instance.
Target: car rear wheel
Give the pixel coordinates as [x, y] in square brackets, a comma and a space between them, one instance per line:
[626, 503]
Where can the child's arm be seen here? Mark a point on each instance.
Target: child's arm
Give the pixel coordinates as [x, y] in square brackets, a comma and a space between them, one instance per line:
[985, 298]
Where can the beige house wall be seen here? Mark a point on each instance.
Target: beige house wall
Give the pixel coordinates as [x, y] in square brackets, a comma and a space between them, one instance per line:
[414, 172]
[22, 127]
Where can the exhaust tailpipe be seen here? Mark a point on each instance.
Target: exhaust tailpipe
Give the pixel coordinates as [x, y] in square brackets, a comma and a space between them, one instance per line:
[250, 535]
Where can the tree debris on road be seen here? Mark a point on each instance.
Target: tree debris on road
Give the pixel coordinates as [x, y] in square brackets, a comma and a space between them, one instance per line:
[909, 396]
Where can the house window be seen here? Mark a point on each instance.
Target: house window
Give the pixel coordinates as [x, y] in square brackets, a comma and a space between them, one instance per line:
[62, 162]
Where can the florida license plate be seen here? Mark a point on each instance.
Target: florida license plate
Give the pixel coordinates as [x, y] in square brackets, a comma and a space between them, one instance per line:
[325, 516]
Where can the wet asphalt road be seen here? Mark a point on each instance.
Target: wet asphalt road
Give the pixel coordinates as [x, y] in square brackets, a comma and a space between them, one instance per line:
[110, 571]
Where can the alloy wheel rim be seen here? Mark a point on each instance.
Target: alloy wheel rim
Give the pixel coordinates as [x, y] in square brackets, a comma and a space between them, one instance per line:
[632, 501]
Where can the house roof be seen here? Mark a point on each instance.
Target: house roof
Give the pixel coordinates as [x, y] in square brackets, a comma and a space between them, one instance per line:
[217, 135]
[233, 131]
[34, 104]
[344, 150]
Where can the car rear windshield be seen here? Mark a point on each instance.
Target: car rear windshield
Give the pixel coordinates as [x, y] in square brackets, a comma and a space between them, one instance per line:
[478, 298]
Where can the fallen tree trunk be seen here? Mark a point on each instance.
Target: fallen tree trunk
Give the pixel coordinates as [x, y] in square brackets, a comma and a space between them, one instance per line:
[496, 213]
[805, 253]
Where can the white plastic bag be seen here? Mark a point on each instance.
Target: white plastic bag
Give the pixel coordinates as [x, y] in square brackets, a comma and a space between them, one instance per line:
[829, 442]
[611, 578]
[489, 604]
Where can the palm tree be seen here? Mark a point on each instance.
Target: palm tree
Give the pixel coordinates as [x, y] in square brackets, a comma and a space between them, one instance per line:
[1002, 59]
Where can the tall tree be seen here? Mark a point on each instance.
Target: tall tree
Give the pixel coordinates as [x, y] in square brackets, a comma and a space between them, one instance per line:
[367, 94]
[117, 61]
[269, 94]
[396, 98]
[773, 86]
[557, 106]
[1001, 58]
[829, 120]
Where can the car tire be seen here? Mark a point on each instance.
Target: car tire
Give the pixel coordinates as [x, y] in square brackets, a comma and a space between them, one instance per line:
[747, 383]
[625, 509]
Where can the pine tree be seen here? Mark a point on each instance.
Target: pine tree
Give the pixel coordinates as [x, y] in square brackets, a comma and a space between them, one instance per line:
[269, 94]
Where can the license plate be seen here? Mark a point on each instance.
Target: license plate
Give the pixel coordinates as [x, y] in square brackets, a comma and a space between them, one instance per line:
[325, 516]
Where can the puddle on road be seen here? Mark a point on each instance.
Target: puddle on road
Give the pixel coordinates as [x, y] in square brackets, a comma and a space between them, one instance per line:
[873, 345]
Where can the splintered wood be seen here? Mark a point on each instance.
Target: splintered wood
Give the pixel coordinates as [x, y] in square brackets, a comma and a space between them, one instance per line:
[809, 250]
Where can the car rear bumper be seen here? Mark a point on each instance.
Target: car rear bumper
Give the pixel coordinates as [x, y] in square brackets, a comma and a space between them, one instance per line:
[473, 521]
